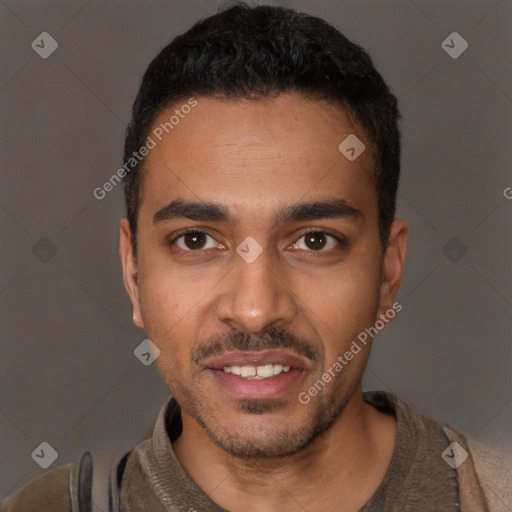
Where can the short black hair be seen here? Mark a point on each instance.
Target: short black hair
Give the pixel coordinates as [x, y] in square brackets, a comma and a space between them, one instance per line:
[256, 52]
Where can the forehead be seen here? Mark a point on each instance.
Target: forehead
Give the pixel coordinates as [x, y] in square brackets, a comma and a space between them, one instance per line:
[254, 152]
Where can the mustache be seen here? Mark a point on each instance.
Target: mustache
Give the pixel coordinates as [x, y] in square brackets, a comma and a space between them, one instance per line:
[271, 338]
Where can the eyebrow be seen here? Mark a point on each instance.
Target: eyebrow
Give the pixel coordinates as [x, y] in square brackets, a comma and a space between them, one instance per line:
[214, 212]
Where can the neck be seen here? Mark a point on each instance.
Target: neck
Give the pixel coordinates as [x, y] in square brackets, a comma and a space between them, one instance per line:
[352, 457]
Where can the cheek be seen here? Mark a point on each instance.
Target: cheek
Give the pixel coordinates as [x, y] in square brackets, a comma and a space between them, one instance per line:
[169, 293]
[342, 303]
[346, 291]
[173, 302]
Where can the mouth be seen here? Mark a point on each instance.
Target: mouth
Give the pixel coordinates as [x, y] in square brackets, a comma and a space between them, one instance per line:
[261, 375]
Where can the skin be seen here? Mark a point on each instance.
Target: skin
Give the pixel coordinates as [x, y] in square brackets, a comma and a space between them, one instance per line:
[256, 157]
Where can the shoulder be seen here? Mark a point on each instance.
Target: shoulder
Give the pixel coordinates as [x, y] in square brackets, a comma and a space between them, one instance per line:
[494, 470]
[483, 473]
[48, 492]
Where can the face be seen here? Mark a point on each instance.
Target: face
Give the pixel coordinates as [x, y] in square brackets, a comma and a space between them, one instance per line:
[258, 264]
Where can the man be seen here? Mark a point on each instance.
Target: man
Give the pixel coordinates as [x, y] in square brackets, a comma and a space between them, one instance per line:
[261, 254]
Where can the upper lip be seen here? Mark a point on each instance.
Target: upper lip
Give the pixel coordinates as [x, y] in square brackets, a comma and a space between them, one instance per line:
[256, 358]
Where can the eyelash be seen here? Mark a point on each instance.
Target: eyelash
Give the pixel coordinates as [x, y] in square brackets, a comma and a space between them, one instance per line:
[340, 239]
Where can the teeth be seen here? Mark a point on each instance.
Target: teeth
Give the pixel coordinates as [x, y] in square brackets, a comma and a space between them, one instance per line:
[278, 368]
[248, 371]
[265, 371]
[257, 372]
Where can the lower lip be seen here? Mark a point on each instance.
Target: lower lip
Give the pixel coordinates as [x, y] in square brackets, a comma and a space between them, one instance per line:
[257, 389]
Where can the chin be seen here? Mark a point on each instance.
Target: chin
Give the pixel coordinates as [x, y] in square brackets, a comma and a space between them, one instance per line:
[257, 433]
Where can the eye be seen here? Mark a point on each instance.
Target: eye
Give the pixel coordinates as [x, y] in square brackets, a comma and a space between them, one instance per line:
[194, 241]
[317, 241]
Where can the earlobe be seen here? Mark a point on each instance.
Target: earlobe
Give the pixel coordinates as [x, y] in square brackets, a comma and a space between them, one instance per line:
[130, 272]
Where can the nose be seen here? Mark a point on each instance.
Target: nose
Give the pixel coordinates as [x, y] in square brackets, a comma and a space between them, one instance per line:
[255, 295]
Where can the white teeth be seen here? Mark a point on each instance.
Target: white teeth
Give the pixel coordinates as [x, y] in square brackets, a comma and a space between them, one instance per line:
[248, 371]
[257, 372]
[278, 368]
[265, 371]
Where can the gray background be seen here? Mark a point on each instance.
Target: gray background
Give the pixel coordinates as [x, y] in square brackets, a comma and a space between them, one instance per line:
[68, 375]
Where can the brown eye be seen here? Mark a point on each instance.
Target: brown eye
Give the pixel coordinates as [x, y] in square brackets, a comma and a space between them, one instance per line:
[316, 241]
[194, 240]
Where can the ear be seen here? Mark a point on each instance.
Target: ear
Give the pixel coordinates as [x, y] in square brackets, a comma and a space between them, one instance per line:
[393, 265]
[129, 262]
